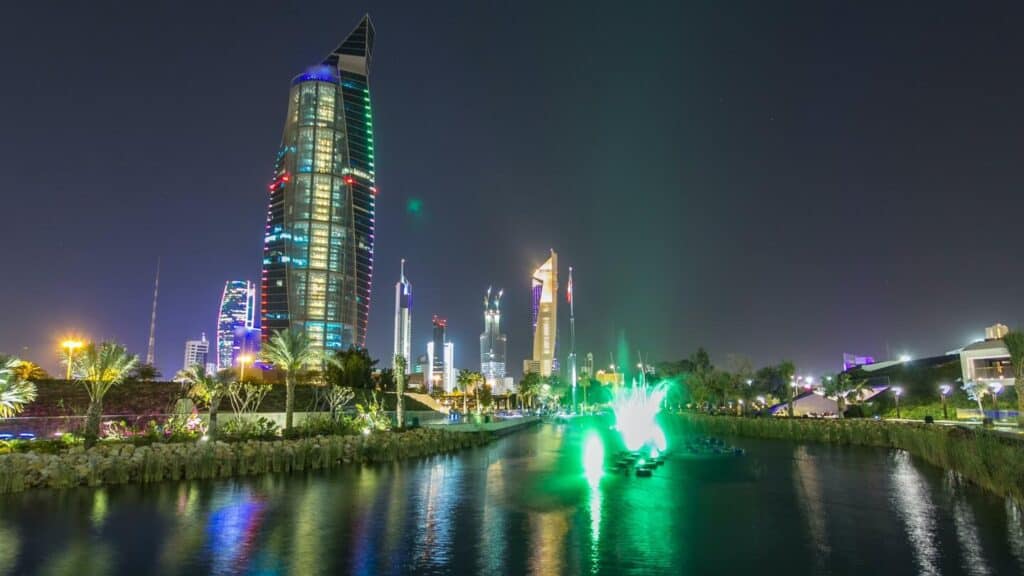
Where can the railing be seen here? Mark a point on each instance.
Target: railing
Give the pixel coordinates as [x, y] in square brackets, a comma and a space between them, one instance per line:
[991, 373]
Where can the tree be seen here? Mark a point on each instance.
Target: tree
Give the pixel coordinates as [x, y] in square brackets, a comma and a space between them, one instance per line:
[467, 379]
[386, 379]
[208, 389]
[841, 386]
[1014, 342]
[101, 368]
[145, 373]
[15, 390]
[786, 370]
[31, 371]
[529, 386]
[352, 368]
[976, 391]
[400, 390]
[290, 351]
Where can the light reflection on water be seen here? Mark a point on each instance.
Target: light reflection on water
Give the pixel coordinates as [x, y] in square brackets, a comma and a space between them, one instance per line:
[538, 502]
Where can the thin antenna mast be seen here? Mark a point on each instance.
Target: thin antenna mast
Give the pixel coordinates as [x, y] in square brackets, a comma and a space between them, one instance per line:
[152, 320]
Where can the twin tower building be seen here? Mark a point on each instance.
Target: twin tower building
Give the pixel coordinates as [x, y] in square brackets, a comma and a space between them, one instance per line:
[318, 243]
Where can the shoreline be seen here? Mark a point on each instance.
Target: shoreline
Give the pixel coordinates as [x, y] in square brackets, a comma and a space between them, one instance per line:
[113, 463]
[990, 460]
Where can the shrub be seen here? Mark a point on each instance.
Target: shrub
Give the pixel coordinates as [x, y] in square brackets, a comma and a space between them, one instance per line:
[239, 429]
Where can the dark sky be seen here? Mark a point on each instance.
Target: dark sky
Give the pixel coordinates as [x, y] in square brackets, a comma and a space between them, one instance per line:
[769, 180]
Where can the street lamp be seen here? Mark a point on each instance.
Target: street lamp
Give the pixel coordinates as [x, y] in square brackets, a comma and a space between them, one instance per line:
[71, 346]
[996, 389]
[944, 390]
[750, 382]
[243, 359]
[897, 391]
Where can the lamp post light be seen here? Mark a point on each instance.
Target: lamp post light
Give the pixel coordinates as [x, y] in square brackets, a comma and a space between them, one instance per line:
[996, 389]
[739, 406]
[944, 390]
[71, 346]
[897, 392]
[243, 359]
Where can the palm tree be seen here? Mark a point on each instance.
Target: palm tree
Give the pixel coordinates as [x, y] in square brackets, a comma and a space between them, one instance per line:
[15, 390]
[1014, 342]
[466, 378]
[529, 386]
[30, 371]
[400, 390]
[101, 368]
[289, 351]
[841, 386]
[209, 389]
[786, 370]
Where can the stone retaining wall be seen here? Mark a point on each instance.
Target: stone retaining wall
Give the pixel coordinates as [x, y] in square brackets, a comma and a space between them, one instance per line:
[121, 463]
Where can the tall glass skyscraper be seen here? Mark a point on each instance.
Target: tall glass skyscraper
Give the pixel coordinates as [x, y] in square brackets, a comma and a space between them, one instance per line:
[492, 341]
[544, 293]
[235, 320]
[318, 245]
[403, 320]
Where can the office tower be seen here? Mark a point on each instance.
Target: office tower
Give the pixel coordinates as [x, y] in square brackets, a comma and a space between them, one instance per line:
[235, 322]
[403, 320]
[572, 340]
[438, 372]
[196, 352]
[492, 341]
[319, 238]
[544, 290]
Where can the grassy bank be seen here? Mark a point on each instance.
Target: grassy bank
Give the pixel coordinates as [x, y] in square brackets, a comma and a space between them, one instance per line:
[989, 459]
[122, 463]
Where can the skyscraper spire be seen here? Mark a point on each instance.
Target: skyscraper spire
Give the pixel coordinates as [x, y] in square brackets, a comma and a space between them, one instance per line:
[151, 350]
[403, 318]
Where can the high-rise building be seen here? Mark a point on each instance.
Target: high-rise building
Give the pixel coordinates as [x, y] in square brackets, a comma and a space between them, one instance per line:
[318, 245]
[196, 352]
[492, 341]
[235, 322]
[544, 297]
[440, 368]
[403, 320]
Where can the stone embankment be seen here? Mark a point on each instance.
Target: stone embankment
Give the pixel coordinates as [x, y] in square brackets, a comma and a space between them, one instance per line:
[122, 463]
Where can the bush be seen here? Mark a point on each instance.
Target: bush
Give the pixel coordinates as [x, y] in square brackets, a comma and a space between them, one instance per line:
[324, 425]
[239, 429]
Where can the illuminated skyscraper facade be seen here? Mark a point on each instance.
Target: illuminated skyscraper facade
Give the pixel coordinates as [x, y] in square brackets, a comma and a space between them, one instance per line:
[235, 320]
[492, 341]
[440, 358]
[197, 353]
[403, 320]
[544, 297]
[318, 244]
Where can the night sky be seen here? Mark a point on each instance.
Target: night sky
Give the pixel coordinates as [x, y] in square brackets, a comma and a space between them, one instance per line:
[770, 181]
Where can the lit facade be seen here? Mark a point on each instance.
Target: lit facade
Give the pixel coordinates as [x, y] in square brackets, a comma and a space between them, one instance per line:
[544, 298]
[197, 352]
[492, 341]
[319, 239]
[440, 366]
[403, 320]
[235, 321]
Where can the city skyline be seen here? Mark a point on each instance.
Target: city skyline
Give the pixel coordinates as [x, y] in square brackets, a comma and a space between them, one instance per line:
[738, 145]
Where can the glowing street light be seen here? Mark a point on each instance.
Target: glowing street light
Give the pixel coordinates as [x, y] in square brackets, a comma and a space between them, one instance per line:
[906, 357]
[71, 345]
[897, 392]
[944, 390]
[243, 359]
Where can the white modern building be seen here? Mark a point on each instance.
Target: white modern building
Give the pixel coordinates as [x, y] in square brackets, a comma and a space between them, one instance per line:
[492, 341]
[197, 352]
[403, 319]
[988, 361]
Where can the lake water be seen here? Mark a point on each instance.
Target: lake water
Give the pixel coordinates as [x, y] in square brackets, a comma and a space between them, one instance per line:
[538, 502]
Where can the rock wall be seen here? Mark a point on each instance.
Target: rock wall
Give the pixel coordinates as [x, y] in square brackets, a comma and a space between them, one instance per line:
[121, 463]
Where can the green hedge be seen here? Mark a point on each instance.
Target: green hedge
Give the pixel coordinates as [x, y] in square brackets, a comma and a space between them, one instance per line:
[992, 460]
